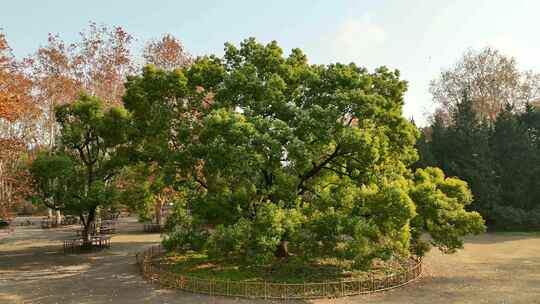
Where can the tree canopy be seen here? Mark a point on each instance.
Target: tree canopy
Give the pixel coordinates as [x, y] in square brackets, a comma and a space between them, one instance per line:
[499, 160]
[77, 176]
[277, 156]
[486, 133]
[166, 53]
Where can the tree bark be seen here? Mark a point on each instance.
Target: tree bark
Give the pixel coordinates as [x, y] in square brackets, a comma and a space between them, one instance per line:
[97, 220]
[282, 251]
[88, 227]
[158, 211]
[58, 218]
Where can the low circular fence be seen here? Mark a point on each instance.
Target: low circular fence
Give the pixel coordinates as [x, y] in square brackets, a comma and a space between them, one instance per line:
[267, 290]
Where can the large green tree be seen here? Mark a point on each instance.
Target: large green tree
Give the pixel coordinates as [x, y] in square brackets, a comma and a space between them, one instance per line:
[516, 156]
[463, 150]
[499, 160]
[278, 156]
[76, 177]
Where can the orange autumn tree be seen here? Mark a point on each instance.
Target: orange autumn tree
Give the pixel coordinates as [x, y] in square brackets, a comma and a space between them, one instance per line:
[15, 110]
[15, 181]
[97, 64]
[14, 86]
[167, 53]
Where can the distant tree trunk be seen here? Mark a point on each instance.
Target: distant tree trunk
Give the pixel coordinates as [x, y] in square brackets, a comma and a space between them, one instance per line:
[282, 250]
[97, 219]
[158, 211]
[58, 218]
[85, 236]
[88, 227]
[50, 218]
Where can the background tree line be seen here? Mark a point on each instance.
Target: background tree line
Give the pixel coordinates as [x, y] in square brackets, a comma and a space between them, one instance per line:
[55, 74]
[486, 131]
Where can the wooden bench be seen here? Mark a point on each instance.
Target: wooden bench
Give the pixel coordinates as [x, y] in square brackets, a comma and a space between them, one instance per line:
[151, 227]
[107, 230]
[70, 220]
[100, 241]
[80, 232]
[72, 244]
[46, 223]
[110, 229]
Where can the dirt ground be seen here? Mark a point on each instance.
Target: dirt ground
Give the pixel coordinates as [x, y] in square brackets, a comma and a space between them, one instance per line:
[493, 268]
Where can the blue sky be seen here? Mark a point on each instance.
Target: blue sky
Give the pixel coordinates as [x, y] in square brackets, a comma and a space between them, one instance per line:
[417, 37]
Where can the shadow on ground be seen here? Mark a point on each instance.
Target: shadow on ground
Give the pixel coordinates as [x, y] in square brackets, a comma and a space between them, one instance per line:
[493, 268]
[500, 237]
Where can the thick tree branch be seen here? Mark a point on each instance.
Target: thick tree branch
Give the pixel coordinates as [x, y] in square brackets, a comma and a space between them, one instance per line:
[341, 173]
[109, 176]
[202, 183]
[315, 170]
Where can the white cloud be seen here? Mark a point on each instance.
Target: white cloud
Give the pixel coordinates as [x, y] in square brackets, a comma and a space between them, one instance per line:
[358, 38]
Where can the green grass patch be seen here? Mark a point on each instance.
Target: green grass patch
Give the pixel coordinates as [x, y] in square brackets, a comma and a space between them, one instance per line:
[281, 271]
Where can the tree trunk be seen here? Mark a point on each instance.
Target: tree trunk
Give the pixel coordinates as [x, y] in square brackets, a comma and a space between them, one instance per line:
[158, 211]
[50, 218]
[58, 218]
[97, 219]
[282, 250]
[88, 228]
[86, 236]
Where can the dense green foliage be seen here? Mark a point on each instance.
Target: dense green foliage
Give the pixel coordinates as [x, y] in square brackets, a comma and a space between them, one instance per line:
[499, 160]
[144, 190]
[278, 157]
[77, 176]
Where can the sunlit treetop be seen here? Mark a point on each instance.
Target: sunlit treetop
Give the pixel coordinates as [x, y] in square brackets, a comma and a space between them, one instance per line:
[275, 150]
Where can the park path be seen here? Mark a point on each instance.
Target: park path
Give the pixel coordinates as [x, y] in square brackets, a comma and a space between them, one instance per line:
[33, 269]
[493, 268]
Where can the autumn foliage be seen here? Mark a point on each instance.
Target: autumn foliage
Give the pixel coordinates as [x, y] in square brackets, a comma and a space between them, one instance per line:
[15, 104]
[167, 53]
[96, 64]
[56, 74]
[14, 86]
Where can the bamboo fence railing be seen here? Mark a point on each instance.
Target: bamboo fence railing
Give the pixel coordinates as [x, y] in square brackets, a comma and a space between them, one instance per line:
[267, 290]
